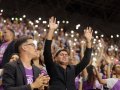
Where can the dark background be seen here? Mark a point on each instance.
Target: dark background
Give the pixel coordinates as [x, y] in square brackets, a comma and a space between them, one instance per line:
[102, 15]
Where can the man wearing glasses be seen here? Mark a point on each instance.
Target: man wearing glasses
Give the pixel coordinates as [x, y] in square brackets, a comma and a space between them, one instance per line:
[20, 74]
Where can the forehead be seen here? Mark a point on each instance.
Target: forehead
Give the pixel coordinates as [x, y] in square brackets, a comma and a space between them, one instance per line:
[63, 52]
[30, 41]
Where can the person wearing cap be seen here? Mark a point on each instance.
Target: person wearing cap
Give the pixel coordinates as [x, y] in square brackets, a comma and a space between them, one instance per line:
[61, 73]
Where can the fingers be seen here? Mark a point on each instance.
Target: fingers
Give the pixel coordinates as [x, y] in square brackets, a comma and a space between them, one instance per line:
[52, 20]
[88, 29]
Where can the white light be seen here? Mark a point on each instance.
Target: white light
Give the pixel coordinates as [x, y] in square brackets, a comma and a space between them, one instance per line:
[48, 25]
[92, 54]
[66, 34]
[74, 44]
[96, 32]
[61, 29]
[70, 41]
[30, 22]
[112, 47]
[72, 31]
[72, 50]
[109, 49]
[39, 35]
[94, 59]
[97, 37]
[36, 26]
[100, 44]
[111, 36]
[102, 35]
[20, 19]
[116, 49]
[117, 35]
[12, 18]
[63, 21]
[37, 21]
[40, 19]
[98, 48]
[58, 22]
[67, 22]
[16, 19]
[44, 22]
[44, 30]
[72, 35]
[94, 42]
[77, 26]
[24, 16]
[99, 41]
[75, 39]
[112, 58]
[95, 53]
[35, 42]
[4, 21]
[55, 32]
[35, 32]
[1, 10]
[82, 41]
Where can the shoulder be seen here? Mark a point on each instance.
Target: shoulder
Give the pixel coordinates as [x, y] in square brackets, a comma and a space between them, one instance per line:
[111, 82]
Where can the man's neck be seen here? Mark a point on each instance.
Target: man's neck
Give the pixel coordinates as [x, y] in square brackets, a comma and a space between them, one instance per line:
[36, 63]
[118, 76]
[64, 66]
[26, 61]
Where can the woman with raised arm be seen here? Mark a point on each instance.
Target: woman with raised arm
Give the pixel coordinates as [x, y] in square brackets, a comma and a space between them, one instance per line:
[61, 73]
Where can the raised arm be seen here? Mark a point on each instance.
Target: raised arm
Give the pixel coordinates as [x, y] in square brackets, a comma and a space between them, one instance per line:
[87, 54]
[47, 48]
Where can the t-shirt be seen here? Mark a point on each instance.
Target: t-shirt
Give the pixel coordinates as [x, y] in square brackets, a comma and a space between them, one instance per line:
[113, 83]
[29, 75]
[89, 86]
[77, 82]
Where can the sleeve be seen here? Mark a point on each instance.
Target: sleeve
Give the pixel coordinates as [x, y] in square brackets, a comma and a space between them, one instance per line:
[110, 82]
[50, 65]
[9, 79]
[84, 62]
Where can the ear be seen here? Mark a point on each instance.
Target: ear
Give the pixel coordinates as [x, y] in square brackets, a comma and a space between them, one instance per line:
[23, 47]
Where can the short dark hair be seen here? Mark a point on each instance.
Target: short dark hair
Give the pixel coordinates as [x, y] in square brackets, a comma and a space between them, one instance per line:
[20, 41]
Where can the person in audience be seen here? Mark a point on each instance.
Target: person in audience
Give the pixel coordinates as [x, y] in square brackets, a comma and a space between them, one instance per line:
[14, 57]
[7, 47]
[61, 73]
[20, 74]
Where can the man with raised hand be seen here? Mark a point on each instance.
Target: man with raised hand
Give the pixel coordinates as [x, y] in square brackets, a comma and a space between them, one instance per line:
[61, 73]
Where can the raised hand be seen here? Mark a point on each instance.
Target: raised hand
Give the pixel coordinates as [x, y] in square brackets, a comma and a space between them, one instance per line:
[88, 34]
[52, 23]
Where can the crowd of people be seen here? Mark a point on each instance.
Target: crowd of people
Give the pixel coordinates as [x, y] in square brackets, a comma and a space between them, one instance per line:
[33, 58]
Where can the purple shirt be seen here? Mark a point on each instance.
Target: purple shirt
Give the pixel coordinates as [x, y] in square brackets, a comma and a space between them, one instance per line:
[29, 75]
[77, 82]
[2, 50]
[113, 83]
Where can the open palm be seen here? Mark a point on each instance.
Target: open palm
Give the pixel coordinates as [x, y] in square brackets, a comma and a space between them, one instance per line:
[88, 33]
[52, 23]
